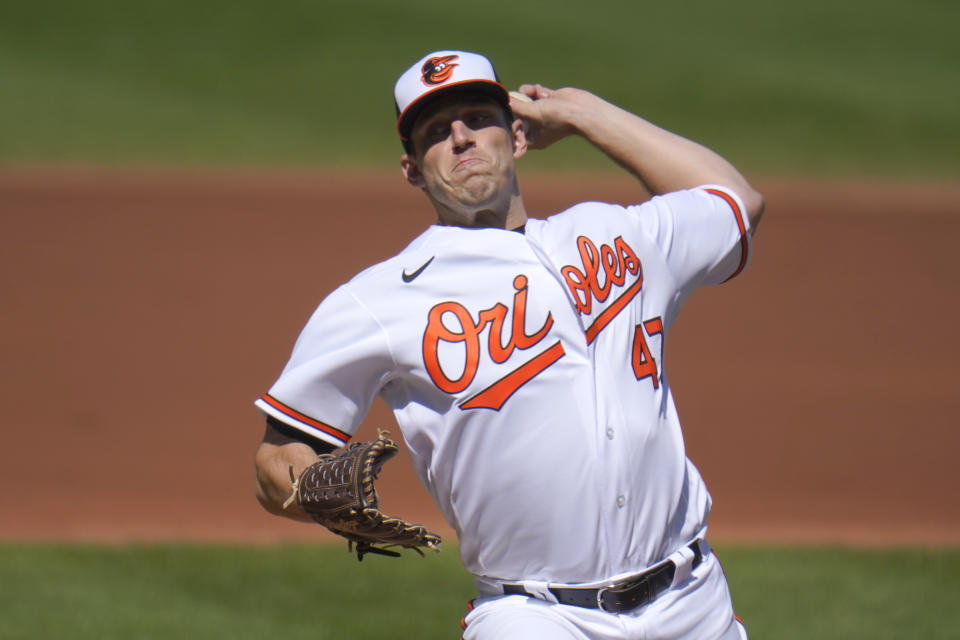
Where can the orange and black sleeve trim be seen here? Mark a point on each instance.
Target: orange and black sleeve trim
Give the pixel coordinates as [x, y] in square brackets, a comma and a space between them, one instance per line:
[311, 427]
[741, 225]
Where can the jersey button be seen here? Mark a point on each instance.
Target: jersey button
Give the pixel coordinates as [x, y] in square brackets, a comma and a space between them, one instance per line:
[621, 500]
[609, 433]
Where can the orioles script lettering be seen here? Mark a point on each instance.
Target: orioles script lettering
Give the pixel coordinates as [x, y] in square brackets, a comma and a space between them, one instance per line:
[586, 286]
[615, 262]
[451, 323]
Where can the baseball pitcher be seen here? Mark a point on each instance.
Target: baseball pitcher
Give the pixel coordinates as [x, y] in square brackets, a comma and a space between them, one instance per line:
[525, 362]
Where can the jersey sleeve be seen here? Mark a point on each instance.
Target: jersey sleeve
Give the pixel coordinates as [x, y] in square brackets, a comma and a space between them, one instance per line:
[703, 233]
[337, 367]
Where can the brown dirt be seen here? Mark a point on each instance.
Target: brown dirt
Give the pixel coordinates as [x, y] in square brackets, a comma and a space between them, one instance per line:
[143, 313]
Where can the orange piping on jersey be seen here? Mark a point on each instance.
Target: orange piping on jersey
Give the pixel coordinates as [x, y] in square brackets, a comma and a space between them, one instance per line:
[738, 214]
[496, 395]
[742, 623]
[611, 312]
[296, 415]
[463, 620]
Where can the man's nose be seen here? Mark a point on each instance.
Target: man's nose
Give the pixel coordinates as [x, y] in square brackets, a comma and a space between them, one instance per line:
[460, 134]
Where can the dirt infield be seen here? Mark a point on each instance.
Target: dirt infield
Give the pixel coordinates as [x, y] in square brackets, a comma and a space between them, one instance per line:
[143, 314]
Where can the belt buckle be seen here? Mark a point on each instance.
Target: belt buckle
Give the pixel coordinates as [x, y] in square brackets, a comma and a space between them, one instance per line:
[624, 602]
[600, 605]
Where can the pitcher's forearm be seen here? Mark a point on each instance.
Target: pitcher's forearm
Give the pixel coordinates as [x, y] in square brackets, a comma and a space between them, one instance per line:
[274, 486]
[663, 161]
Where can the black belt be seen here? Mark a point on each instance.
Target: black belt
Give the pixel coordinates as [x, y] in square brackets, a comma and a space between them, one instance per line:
[621, 596]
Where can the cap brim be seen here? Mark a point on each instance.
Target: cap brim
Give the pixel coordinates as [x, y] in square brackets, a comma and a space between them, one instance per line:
[490, 88]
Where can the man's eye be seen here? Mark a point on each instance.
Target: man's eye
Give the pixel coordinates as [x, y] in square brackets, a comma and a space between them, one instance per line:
[437, 132]
[478, 119]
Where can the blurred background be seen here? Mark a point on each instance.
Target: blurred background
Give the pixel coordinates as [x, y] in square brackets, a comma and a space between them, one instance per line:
[816, 87]
[182, 182]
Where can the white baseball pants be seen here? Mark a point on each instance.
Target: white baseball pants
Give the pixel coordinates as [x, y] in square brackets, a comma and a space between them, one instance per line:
[698, 608]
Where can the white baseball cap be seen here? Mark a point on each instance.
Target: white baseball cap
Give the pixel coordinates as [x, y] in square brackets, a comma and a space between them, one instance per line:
[436, 74]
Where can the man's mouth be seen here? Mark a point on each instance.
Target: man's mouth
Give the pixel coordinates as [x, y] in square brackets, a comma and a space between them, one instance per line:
[467, 164]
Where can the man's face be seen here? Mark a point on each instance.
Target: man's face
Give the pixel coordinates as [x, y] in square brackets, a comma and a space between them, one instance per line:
[464, 154]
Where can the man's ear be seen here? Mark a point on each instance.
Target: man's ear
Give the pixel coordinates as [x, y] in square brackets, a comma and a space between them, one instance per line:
[411, 171]
[519, 131]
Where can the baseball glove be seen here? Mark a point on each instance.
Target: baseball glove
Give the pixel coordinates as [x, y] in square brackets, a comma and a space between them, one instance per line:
[337, 491]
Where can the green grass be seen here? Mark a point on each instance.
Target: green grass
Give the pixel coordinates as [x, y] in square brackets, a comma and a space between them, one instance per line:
[802, 593]
[226, 592]
[291, 592]
[814, 87]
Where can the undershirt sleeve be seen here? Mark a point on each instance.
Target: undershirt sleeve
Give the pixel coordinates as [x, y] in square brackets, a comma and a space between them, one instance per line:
[319, 446]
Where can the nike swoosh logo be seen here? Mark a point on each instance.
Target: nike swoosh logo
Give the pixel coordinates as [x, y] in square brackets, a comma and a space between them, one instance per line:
[410, 277]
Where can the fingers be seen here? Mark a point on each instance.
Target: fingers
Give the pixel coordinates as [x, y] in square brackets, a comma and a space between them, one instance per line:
[548, 115]
[526, 94]
[522, 102]
[536, 91]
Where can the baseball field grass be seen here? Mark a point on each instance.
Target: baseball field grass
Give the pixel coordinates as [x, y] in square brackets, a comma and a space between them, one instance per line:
[321, 592]
[784, 87]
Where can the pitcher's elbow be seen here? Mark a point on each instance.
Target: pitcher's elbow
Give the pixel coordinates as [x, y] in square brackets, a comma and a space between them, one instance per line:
[755, 204]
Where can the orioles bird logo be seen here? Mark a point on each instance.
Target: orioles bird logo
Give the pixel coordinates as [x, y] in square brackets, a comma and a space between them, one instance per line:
[438, 69]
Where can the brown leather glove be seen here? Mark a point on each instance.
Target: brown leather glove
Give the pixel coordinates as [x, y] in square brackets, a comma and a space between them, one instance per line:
[337, 491]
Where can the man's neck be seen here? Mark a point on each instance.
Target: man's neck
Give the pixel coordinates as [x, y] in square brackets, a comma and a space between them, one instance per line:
[515, 216]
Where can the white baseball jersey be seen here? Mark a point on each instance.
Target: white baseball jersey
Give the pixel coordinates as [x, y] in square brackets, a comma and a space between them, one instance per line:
[526, 372]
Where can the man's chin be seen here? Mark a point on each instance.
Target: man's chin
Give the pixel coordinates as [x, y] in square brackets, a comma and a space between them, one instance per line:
[477, 193]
